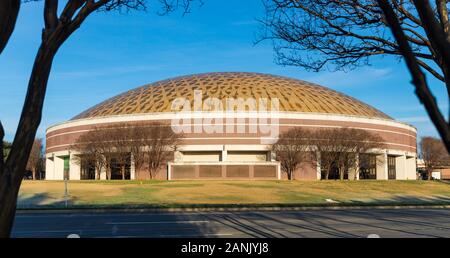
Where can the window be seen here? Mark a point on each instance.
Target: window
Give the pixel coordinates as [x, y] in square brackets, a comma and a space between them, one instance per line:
[367, 166]
[120, 170]
[87, 169]
[202, 156]
[247, 156]
[391, 168]
[334, 172]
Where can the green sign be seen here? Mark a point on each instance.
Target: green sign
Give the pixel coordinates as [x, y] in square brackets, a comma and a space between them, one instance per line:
[66, 163]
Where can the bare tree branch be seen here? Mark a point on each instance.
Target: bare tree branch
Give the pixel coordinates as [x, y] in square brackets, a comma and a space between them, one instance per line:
[431, 70]
[419, 78]
[70, 9]
[9, 10]
[435, 34]
[50, 14]
[443, 17]
[340, 34]
[345, 34]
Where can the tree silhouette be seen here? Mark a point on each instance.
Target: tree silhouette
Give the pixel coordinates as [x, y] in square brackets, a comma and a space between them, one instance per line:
[344, 34]
[59, 26]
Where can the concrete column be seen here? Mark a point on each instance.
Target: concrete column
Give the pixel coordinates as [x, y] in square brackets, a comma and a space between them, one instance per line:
[74, 167]
[132, 168]
[318, 166]
[197, 171]
[58, 168]
[382, 167]
[103, 173]
[224, 171]
[279, 171]
[411, 168]
[49, 168]
[251, 171]
[224, 154]
[272, 156]
[400, 164]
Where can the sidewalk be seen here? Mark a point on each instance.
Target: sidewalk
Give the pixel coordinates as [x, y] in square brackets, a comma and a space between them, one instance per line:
[225, 208]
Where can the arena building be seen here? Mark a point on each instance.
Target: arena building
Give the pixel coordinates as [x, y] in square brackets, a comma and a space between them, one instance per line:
[233, 143]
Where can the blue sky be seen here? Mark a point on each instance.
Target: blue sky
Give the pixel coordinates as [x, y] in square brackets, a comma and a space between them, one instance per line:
[114, 52]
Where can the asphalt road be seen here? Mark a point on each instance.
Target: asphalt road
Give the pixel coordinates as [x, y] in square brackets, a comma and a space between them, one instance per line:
[324, 223]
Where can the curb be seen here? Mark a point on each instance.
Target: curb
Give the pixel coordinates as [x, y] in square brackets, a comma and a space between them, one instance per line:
[226, 209]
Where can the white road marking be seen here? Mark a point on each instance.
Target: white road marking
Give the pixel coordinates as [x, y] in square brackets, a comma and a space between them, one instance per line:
[46, 231]
[176, 236]
[204, 235]
[158, 222]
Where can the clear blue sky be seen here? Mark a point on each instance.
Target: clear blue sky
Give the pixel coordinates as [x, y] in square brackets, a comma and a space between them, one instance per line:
[114, 52]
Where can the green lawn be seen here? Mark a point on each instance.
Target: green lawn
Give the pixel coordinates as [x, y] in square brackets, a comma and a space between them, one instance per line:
[126, 194]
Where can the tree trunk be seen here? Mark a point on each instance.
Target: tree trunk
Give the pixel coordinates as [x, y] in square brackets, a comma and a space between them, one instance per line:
[122, 169]
[14, 168]
[33, 172]
[98, 172]
[341, 173]
[430, 174]
[289, 174]
[356, 177]
[150, 172]
[327, 174]
[9, 10]
[8, 199]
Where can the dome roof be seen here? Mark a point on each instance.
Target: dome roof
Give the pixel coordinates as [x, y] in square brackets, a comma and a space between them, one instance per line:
[294, 95]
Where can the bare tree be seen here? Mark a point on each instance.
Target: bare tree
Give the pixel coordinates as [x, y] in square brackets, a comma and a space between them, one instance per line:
[60, 24]
[292, 149]
[159, 144]
[433, 154]
[356, 142]
[344, 34]
[101, 141]
[87, 163]
[148, 144]
[88, 151]
[137, 151]
[327, 146]
[341, 148]
[120, 138]
[34, 163]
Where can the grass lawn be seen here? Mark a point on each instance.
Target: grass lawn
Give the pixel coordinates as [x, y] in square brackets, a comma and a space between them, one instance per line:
[126, 194]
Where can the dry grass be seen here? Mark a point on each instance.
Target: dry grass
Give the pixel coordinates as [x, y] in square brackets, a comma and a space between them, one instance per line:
[185, 193]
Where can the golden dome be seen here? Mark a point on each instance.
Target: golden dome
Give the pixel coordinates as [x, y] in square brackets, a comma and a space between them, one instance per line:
[294, 95]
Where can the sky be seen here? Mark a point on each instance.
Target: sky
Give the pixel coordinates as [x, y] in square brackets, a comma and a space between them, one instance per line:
[114, 52]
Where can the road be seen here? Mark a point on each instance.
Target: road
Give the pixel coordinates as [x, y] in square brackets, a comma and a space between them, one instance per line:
[280, 224]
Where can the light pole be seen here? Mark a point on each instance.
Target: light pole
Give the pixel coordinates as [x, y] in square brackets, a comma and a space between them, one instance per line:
[66, 191]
